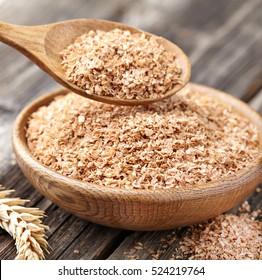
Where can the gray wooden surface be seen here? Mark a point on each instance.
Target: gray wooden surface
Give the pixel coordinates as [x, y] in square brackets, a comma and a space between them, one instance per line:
[223, 40]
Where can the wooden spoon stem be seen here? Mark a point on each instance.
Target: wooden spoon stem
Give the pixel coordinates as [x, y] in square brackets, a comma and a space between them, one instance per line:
[6, 33]
[29, 40]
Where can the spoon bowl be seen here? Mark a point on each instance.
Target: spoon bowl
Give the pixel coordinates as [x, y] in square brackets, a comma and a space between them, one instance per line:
[43, 44]
[139, 209]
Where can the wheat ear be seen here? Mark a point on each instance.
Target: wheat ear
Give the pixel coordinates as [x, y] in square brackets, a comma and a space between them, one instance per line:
[24, 225]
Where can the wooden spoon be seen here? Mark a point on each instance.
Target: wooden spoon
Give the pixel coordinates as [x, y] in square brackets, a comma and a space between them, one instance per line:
[42, 44]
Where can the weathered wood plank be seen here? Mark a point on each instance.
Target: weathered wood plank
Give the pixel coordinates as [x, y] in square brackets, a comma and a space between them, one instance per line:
[147, 245]
[68, 230]
[253, 89]
[231, 63]
[256, 102]
[237, 18]
[223, 41]
[95, 242]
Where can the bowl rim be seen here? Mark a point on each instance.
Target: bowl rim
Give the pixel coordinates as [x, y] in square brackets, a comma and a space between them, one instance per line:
[194, 192]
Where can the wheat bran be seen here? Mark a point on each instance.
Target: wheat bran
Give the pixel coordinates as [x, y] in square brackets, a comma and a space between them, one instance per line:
[187, 140]
[120, 64]
[227, 237]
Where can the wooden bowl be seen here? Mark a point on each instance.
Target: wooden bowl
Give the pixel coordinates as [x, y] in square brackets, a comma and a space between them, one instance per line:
[139, 209]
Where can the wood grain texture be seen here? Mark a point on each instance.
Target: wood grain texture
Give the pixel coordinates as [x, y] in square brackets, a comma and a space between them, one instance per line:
[136, 209]
[203, 29]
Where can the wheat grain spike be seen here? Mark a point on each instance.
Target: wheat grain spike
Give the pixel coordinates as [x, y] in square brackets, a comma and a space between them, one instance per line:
[24, 225]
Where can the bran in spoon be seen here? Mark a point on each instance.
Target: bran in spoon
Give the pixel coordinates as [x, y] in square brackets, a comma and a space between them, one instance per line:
[121, 65]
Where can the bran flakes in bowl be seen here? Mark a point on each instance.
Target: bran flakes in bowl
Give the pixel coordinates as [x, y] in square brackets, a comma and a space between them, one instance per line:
[184, 141]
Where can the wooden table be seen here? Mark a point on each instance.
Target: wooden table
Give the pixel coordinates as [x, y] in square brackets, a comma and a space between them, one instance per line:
[223, 42]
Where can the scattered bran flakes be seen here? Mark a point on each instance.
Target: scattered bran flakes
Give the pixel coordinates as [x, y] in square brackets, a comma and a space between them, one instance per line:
[227, 237]
[120, 64]
[187, 140]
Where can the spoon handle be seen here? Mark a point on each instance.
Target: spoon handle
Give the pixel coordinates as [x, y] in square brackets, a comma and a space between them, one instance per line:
[18, 37]
[29, 40]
